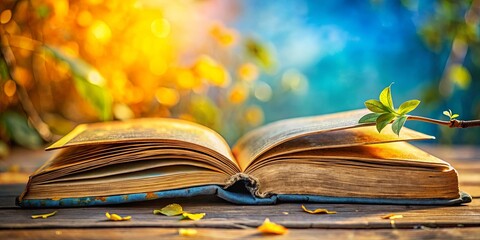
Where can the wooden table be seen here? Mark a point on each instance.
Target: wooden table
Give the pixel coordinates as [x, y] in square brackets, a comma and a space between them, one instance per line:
[227, 221]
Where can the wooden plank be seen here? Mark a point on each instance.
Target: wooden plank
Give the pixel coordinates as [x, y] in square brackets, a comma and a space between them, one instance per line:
[221, 214]
[20, 164]
[209, 233]
[25, 160]
[474, 191]
[7, 202]
[11, 189]
[8, 193]
[452, 152]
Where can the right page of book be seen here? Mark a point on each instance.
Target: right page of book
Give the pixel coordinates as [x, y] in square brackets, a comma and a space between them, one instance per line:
[393, 153]
[307, 133]
[259, 140]
[389, 170]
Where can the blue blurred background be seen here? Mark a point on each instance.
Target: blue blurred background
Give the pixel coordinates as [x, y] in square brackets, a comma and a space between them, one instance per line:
[232, 65]
[350, 50]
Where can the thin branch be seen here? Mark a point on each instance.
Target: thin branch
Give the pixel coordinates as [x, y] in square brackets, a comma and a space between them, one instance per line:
[27, 105]
[454, 123]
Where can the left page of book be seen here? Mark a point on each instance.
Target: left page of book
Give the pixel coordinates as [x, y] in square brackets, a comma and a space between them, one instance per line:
[134, 156]
[146, 130]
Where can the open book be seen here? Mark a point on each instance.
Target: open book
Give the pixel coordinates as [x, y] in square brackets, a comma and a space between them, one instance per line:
[329, 158]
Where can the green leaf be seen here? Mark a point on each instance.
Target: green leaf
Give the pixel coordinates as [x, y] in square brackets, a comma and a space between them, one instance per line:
[386, 98]
[408, 106]
[398, 124]
[369, 118]
[450, 114]
[99, 97]
[20, 132]
[88, 82]
[376, 106]
[43, 11]
[383, 120]
[4, 74]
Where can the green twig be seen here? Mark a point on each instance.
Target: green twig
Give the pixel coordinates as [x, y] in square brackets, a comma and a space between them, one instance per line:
[454, 123]
[383, 112]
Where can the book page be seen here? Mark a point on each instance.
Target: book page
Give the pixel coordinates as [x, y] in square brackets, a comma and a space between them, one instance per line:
[397, 153]
[386, 170]
[129, 167]
[260, 140]
[146, 130]
[146, 181]
[356, 136]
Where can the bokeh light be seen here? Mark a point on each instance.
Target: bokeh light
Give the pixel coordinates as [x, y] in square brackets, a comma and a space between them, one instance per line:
[233, 65]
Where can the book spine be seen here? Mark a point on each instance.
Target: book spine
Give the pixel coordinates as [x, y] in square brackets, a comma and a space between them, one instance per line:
[249, 182]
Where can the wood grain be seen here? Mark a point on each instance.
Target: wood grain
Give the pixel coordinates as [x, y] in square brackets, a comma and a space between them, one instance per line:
[209, 233]
[228, 221]
[221, 214]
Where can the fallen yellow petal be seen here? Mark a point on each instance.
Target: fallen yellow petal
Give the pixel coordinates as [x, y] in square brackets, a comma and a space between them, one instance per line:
[192, 216]
[318, 210]
[272, 228]
[392, 216]
[116, 217]
[188, 232]
[170, 210]
[46, 215]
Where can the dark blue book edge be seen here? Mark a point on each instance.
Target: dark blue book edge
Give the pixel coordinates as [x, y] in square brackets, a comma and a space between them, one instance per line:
[235, 194]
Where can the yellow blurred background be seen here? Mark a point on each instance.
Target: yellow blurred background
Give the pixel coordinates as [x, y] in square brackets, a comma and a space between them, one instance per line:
[69, 62]
[230, 65]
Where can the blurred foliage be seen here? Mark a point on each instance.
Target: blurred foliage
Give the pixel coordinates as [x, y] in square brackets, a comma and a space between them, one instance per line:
[453, 28]
[84, 61]
[88, 82]
[450, 19]
[18, 130]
